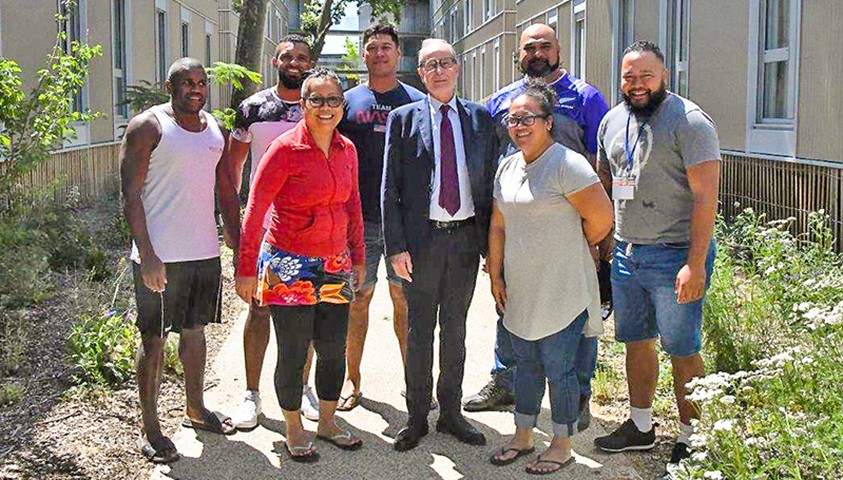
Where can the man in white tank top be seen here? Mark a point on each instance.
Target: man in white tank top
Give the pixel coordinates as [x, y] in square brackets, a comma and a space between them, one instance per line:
[259, 120]
[172, 157]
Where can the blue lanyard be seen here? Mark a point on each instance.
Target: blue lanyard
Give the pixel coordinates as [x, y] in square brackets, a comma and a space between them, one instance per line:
[630, 154]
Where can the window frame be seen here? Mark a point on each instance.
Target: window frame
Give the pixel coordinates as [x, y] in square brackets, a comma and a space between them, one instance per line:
[578, 55]
[81, 101]
[161, 21]
[773, 136]
[496, 59]
[466, 18]
[122, 71]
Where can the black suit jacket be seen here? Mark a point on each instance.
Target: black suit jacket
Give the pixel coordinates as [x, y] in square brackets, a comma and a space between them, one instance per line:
[408, 173]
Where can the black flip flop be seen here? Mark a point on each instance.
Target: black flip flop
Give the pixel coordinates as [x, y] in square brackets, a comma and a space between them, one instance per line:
[311, 457]
[160, 451]
[355, 401]
[503, 451]
[548, 472]
[335, 441]
[212, 423]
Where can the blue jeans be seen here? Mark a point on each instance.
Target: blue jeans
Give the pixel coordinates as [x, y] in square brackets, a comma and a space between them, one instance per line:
[643, 277]
[552, 358]
[504, 370]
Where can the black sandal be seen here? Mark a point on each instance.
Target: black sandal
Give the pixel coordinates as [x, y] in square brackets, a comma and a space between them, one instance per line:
[503, 451]
[213, 422]
[161, 451]
[560, 466]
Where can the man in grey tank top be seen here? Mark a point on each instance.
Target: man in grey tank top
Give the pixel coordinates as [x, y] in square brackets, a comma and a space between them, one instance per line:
[172, 157]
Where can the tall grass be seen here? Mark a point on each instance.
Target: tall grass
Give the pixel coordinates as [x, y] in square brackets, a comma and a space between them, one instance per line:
[774, 333]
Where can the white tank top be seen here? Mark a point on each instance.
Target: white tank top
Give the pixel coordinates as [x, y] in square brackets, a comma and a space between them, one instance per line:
[178, 193]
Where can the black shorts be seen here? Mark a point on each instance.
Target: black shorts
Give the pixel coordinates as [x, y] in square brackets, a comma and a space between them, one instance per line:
[192, 297]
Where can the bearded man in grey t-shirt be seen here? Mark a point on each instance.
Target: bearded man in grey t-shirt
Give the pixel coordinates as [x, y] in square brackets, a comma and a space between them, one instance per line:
[659, 159]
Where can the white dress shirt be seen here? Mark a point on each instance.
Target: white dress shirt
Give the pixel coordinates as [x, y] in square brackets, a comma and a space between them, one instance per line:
[466, 203]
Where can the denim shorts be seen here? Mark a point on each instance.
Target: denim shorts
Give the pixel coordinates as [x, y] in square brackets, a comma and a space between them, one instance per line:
[373, 236]
[645, 303]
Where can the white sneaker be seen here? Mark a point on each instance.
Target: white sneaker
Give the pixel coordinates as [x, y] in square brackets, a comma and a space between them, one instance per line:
[309, 404]
[246, 417]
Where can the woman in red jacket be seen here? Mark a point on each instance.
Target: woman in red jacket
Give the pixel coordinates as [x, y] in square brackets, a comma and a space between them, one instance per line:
[303, 267]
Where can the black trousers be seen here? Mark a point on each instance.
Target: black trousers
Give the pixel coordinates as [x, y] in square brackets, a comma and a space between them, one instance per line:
[295, 327]
[444, 275]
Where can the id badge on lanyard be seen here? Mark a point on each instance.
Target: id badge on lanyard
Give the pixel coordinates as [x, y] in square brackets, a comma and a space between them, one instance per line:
[626, 181]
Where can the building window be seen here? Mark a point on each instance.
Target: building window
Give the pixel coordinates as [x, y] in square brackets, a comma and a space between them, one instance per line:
[452, 19]
[466, 19]
[473, 77]
[677, 43]
[482, 72]
[488, 9]
[208, 61]
[185, 39]
[553, 19]
[161, 44]
[121, 109]
[71, 26]
[497, 60]
[578, 39]
[776, 79]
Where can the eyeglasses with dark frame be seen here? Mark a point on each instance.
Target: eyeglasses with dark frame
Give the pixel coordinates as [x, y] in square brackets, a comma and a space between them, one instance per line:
[333, 101]
[528, 120]
[443, 63]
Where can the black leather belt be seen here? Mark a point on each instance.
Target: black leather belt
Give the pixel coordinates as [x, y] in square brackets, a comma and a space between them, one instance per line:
[440, 225]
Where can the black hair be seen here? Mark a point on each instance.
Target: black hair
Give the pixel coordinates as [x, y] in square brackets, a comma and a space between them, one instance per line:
[645, 46]
[541, 93]
[380, 28]
[319, 73]
[294, 38]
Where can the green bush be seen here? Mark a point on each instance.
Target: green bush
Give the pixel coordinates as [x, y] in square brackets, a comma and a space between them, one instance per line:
[774, 326]
[103, 347]
[10, 394]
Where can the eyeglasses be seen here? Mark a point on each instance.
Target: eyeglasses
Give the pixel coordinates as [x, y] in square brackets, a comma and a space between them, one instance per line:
[443, 63]
[528, 120]
[333, 101]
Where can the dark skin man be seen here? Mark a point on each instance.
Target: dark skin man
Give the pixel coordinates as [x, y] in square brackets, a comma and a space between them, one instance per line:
[188, 89]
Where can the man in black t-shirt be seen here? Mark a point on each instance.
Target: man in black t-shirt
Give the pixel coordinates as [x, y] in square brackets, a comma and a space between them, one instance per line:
[364, 123]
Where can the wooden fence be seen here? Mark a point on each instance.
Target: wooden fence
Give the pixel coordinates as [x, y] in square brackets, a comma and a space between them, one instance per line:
[92, 170]
[782, 189]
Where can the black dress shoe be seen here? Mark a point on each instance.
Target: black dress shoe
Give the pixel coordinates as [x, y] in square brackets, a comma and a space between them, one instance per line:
[490, 397]
[461, 429]
[408, 438]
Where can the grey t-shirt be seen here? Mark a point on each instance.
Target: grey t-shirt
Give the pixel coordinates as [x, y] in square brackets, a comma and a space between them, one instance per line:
[678, 135]
[550, 276]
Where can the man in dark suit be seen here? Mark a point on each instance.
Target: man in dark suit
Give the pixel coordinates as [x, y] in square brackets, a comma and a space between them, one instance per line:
[437, 198]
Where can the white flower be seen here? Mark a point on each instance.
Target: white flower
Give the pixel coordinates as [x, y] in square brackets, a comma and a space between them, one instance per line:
[727, 399]
[699, 456]
[751, 440]
[713, 475]
[723, 425]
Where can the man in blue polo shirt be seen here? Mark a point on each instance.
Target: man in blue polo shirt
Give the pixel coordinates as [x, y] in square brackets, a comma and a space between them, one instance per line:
[576, 119]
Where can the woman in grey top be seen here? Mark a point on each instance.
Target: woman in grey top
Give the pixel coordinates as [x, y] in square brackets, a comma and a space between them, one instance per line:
[550, 210]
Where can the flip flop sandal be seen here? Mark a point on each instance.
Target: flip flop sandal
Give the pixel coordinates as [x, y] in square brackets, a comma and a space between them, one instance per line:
[161, 451]
[503, 451]
[354, 398]
[212, 422]
[311, 457]
[335, 441]
[561, 465]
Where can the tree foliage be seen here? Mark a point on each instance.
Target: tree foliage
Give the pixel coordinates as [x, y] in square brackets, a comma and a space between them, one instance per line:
[33, 123]
[320, 15]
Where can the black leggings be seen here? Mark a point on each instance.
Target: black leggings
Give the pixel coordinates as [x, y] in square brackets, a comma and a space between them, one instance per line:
[326, 325]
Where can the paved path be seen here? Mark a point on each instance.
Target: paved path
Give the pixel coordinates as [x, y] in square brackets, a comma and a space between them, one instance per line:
[254, 455]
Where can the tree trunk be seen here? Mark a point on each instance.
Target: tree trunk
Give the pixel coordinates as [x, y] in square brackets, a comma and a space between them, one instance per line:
[325, 24]
[249, 45]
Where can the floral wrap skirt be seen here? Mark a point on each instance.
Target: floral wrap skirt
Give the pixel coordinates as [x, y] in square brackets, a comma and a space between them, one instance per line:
[290, 279]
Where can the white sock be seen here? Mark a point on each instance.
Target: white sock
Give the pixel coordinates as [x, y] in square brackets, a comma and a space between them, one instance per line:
[643, 418]
[252, 395]
[685, 432]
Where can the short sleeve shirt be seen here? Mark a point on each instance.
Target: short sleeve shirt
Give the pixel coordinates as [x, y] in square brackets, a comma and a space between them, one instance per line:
[576, 115]
[661, 148]
[364, 123]
[550, 276]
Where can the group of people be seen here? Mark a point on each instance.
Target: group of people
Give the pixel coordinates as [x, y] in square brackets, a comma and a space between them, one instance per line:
[433, 183]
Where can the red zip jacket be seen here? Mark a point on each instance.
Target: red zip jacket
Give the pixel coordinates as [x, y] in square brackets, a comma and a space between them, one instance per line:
[316, 201]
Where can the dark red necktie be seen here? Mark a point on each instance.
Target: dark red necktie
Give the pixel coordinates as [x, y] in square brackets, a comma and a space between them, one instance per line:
[449, 184]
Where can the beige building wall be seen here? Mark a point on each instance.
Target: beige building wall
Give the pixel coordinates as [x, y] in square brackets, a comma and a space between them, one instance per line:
[718, 68]
[819, 125]
[598, 45]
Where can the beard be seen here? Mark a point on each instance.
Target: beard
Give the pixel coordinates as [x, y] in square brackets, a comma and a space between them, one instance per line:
[539, 67]
[654, 100]
[290, 82]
